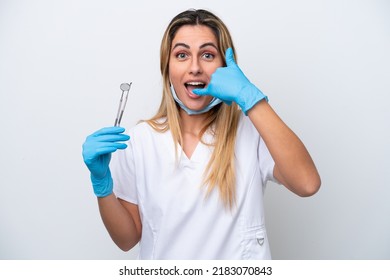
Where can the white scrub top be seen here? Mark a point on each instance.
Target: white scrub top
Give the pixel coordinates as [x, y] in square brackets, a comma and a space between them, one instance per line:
[178, 221]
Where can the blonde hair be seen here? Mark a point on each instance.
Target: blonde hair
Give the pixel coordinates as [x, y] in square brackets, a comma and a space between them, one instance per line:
[222, 120]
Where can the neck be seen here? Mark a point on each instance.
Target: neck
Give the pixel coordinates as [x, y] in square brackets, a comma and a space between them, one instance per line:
[192, 124]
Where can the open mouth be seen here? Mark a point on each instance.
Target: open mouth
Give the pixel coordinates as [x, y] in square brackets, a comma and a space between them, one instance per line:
[194, 85]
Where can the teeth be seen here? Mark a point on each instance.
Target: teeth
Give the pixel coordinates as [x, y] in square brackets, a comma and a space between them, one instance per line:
[195, 83]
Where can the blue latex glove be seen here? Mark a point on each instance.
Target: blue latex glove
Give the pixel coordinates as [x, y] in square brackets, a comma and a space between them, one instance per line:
[230, 84]
[97, 150]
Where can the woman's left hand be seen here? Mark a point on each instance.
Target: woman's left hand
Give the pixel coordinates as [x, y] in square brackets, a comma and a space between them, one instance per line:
[231, 85]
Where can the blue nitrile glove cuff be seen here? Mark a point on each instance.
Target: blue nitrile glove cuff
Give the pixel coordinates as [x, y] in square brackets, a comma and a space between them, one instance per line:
[102, 187]
[250, 96]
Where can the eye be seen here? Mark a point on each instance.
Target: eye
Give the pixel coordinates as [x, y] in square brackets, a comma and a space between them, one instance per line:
[181, 56]
[208, 56]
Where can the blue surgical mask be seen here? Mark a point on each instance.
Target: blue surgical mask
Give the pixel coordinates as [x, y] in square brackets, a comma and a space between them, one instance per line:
[213, 102]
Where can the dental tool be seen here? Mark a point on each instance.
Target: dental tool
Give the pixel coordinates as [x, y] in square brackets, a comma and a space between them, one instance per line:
[125, 87]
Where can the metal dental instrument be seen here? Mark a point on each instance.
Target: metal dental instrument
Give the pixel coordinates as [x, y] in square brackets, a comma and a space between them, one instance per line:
[125, 87]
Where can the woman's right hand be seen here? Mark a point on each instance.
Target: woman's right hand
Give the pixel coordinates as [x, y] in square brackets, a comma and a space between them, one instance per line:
[97, 150]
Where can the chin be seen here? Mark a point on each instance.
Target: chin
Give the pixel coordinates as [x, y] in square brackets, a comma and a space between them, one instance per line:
[198, 106]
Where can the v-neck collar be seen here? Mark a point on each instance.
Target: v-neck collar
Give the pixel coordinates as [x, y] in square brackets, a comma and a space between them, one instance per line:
[201, 153]
[194, 154]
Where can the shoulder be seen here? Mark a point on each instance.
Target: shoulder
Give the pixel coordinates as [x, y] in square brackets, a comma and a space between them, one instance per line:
[245, 127]
[248, 138]
[142, 131]
[140, 127]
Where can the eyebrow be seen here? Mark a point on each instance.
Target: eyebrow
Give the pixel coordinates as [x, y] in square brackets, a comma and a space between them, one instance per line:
[201, 46]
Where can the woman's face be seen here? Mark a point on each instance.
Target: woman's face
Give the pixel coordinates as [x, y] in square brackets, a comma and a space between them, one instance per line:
[194, 57]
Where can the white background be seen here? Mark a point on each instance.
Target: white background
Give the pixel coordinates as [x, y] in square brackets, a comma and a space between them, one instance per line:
[325, 66]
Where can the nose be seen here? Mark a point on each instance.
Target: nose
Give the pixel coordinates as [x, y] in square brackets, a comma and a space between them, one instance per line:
[195, 66]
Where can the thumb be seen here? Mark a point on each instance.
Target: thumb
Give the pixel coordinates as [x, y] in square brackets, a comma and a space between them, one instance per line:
[229, 57]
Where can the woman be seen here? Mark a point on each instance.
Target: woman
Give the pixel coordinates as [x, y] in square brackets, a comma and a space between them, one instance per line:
[189, 182]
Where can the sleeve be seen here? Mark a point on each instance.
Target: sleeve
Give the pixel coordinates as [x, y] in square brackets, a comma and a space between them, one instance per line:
[267, 163]
[122, 167]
